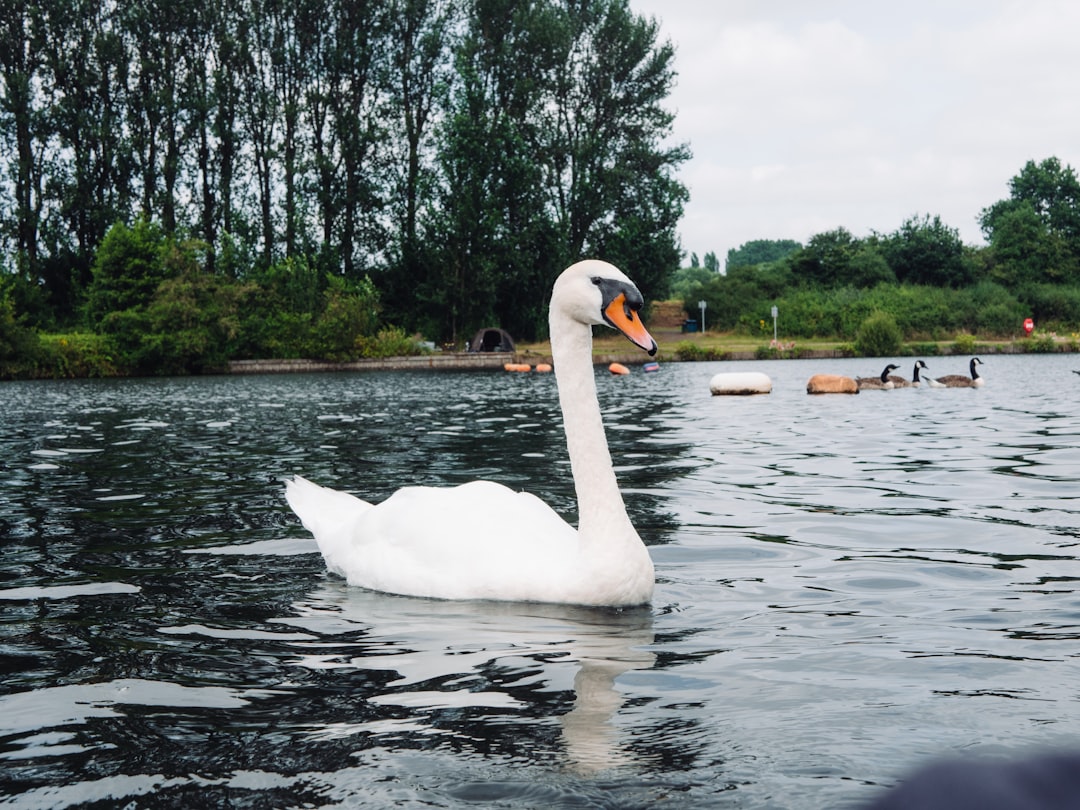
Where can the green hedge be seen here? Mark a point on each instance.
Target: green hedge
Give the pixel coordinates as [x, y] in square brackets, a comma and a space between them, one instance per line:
[79, 354]
[921, 313]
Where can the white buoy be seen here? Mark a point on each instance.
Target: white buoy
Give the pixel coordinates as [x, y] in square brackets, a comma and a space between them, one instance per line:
[740, 383]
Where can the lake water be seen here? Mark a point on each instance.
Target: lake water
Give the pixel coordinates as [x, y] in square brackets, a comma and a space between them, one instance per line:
[848, 586]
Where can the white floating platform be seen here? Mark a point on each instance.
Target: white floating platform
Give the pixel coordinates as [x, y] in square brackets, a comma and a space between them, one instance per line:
[740, 383]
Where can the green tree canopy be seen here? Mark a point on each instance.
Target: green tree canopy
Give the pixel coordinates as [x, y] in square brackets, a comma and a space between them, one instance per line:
[760, 251]
[826, 259]
[1035, 233]
[127, 269]
[458, 153]
[925, 250]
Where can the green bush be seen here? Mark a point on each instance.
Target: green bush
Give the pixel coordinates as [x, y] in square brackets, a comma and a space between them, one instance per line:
[19, 346]
[1040, 343]
[193, 321]
[687, 350]
[964, 343]
[277, 322]
[350, 311]
[77, 355]
[1053, 306]
[388, 342]
[878, 336]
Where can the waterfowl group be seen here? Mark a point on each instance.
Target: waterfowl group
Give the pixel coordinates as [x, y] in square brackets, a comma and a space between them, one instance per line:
[886, 381]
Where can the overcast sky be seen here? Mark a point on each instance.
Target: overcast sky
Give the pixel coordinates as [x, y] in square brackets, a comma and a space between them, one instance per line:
[804, 116]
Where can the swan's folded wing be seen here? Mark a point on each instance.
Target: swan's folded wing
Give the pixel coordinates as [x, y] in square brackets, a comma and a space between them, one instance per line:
[480, 540]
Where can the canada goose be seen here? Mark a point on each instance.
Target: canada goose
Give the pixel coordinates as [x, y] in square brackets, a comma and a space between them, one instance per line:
[960, 381]
[831, 384]
[916, 380]
[882, 383]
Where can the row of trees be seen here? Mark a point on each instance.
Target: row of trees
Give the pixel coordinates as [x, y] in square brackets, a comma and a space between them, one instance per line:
[922, 274]
[456, 154]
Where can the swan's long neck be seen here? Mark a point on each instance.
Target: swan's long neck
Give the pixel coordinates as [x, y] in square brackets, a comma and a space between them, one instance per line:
[600, 504]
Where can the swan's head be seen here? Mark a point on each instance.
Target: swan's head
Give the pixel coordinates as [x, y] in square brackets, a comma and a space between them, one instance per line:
[595, 292]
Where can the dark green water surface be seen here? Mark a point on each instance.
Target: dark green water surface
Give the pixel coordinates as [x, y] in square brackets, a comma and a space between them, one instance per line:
[847, 587]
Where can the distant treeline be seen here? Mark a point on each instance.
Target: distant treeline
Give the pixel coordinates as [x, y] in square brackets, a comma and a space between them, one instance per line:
[921, 276]
[434, 163]
[186, 183]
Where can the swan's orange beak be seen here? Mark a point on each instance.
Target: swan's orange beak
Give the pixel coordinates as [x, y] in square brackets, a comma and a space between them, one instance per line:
[624, 318]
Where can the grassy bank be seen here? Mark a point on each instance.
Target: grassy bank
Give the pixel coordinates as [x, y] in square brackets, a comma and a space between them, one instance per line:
[674, 346]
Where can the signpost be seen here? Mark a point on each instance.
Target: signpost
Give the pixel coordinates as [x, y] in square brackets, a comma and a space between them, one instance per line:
[701, 306]
[775, 312]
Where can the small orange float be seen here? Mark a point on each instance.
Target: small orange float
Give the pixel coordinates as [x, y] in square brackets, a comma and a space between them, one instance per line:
[618, 368]
[831, 384]
[517, 367]
[543, 367]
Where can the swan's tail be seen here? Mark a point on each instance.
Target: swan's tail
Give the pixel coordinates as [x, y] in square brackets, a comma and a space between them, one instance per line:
[330, 515]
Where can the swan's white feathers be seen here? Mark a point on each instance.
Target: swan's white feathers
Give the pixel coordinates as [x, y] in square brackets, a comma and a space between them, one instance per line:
[455, 543]
[450, 543]
[482, 540]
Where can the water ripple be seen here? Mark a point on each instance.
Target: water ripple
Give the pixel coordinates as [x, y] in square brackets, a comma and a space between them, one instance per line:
[845, 587]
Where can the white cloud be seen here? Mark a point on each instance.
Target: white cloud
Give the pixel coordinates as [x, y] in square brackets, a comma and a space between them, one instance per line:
[803, 117]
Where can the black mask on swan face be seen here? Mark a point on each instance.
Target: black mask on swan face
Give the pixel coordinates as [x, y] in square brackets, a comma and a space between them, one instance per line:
[620, 304]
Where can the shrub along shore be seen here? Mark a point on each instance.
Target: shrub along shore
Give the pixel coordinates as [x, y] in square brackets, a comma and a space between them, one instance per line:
[83, 355]
[608, 350]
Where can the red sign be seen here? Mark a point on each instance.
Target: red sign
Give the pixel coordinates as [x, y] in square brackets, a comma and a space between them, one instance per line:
[1029, 325]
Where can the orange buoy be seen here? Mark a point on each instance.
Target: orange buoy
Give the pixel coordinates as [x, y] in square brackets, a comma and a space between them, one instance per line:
[543, 367]
[517, 367]
[618, 368]
[831, 384]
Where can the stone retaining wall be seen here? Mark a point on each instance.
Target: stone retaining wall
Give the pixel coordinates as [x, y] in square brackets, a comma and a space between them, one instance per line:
[443, 360]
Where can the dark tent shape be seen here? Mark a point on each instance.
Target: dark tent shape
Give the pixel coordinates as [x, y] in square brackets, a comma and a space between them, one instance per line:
[491, 339]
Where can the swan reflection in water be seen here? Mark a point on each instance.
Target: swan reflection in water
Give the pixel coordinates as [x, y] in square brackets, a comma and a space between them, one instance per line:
[474, 673]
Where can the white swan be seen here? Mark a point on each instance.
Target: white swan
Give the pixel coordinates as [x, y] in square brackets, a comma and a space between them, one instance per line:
[482, 540]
